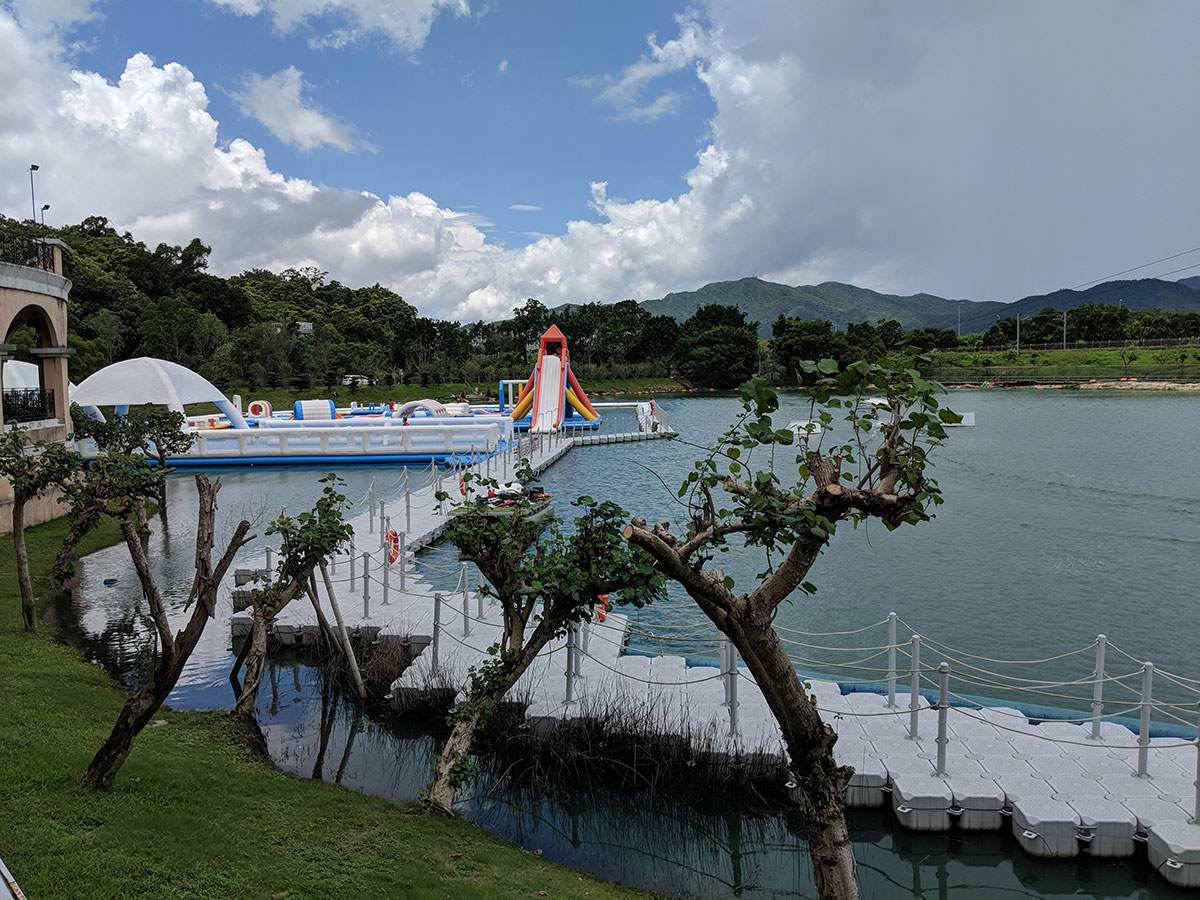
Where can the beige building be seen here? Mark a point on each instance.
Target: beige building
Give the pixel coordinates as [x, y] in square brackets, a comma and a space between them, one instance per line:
[36, 296]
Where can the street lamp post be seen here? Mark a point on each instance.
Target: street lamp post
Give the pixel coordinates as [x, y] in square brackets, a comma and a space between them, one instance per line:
[1064, 329]
[960, 318]
[32, 199]
[1018, 333]
[45, 206]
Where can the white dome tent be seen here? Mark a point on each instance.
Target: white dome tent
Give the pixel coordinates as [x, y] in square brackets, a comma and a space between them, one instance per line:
[21, 376]
[135, 382]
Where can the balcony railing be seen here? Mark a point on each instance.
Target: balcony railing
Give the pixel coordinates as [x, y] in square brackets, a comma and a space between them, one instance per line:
[30, 405]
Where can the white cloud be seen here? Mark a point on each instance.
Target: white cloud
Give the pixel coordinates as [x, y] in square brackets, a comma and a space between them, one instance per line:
[277, 102]
[624, 91]
[38, 16]
[503, 67]
[525, 207]
[405, 23]
[980, 151]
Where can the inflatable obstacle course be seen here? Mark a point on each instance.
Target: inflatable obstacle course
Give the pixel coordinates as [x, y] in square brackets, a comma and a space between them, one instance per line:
[552, 389]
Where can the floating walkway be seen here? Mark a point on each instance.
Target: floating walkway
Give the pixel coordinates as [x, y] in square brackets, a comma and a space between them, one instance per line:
[1098, 785]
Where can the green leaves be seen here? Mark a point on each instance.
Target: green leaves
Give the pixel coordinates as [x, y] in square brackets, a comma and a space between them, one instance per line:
[33, 467]
[314, 535]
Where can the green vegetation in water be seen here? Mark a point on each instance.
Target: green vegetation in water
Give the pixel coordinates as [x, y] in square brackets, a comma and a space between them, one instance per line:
[195, 812]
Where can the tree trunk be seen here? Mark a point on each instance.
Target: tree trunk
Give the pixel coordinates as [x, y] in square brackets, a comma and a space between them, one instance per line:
[141, 707]
[134, 716]
[256, 661]
[28, 602]
[83, 520]
[456, 751]
[819, 779]
[458, 746]
[266, 608]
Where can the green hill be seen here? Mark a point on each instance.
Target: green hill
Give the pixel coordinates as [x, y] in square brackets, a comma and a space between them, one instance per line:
[764, 301]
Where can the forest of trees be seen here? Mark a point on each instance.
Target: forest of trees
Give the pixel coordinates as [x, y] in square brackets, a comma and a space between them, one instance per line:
[301, 329]
[1092, 322]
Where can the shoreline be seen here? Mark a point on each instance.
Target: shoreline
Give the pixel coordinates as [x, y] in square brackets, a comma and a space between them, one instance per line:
[1051, 384]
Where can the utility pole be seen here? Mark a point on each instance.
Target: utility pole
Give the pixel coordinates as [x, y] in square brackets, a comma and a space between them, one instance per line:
[1064, 329]
[1018, 333]
[32, 198]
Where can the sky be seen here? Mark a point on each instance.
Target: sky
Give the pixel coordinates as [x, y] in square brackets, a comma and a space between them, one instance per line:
[472, 153]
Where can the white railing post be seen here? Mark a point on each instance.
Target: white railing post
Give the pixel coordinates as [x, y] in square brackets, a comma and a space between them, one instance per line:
[382, 512]
[891, 678]
[914, 700]
[1098, 687]
[270, 567]
[723, 648]
[371, 508]
[366, 557]
[943, 710]
[403, 559]
[351, 555]
[570, 667]
[1196, 783]
[437, 628]
[386, 570]
[1144, 730]
[407, 511]
[733, 691]
[462, 579]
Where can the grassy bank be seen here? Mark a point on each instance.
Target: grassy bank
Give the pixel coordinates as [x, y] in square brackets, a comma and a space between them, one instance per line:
[1173, 364]
[194, 813]
[282, 398]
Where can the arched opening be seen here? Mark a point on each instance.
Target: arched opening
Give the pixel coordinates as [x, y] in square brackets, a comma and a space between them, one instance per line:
[27, 398]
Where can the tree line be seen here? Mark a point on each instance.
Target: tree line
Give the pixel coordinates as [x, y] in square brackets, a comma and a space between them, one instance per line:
[298, 328]
[1089, 323]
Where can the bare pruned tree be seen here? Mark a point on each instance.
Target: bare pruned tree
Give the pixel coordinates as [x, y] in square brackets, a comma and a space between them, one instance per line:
[174, 650]
[789, 504]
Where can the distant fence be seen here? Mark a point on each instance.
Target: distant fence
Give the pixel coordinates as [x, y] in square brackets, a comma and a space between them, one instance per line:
[1142, 344]
[1013, 374]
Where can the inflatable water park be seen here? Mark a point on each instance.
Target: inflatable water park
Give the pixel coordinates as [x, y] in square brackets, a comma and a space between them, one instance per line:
[550, 401]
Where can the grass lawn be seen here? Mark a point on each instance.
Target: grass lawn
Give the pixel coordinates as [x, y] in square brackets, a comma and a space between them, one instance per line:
[194, 813]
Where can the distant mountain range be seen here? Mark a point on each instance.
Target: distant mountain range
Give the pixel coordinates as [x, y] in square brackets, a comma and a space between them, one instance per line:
[764, 301]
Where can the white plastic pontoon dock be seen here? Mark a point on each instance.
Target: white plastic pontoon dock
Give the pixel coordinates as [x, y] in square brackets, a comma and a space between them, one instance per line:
[1088, 787]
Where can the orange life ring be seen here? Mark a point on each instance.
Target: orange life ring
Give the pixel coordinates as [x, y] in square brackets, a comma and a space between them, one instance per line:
[462, 486]
[602, 607]
[393, 545]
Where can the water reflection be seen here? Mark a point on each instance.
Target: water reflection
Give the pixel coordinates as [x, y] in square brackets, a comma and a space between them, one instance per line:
[685, 844]
[1039, 553]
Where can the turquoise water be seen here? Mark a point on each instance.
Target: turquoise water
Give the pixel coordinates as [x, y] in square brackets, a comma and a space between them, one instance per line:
[1066, 514]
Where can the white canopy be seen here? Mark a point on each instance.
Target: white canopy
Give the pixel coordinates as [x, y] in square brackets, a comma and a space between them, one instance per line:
[20, 376]
[133, 382]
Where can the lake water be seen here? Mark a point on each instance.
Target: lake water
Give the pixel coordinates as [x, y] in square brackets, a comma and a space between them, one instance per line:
[1067, 514]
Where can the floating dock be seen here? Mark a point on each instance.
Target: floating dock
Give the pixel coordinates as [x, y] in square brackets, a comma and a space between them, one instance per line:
[1092, 786]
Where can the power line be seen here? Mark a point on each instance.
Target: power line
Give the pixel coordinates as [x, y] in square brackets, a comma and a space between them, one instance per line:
[1135, 268]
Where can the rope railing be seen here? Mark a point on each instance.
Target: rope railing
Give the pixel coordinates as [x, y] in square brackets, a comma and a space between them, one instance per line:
[784, 630]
